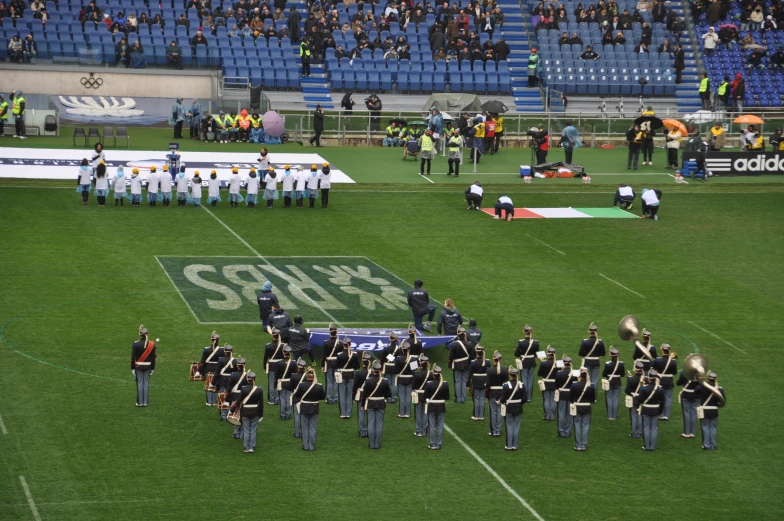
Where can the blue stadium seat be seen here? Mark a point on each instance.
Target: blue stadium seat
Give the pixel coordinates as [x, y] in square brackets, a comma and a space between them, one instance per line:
[386, 81]
[427, 81]
[336, 78]
[439, 81]
[348, 80]
[402, 81]
[361, 79]
[415, 81]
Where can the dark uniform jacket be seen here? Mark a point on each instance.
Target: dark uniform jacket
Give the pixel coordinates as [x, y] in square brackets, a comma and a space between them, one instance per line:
[209, 359]
[513, 397]
[421, 377]
[306, 395]
[689, 391]
[283, 372]
[329, 353]
[563, 383]
[266, 299]
[477, 374]
[709, 401]
[347, 364]
[281, 320]
[375, 392]
[651, 400]
[474, 335]
[667, 369]
[547, 372]
[392, 348]
[237, 380]
[139, 347]
[299, 338]
[633, 384]
[497, 376]
[273, 353]
[448, 321]
[614, 374]
[295, 380]
[416, 348]
[527, 348]
[639, 355]
[584, 394]
[591, 353]
[403, 368]
[437, 390]
[460, 355]
[227, 364]
[359, 380]
[254, 407]
[419, 301]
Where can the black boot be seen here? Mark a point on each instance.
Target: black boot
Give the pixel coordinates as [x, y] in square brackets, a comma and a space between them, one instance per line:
[116, 202]
[214, 203]
[312, 202]
[122, 202]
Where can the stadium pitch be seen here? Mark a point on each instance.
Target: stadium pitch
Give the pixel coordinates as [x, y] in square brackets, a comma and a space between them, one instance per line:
[79, 280]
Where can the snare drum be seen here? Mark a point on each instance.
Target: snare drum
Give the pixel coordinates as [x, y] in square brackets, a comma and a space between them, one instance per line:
[223, 403]
[208, 386]
[234, 418]
[195, 375]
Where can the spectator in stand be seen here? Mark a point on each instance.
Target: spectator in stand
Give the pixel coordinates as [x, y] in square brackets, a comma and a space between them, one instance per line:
[607, 38]
[713, 13]
[777, 60]
[199, 39]
[726, 37]
[665, 47]
[738, 91]
[641, 49]
[463, 20]
[576, 40]
[680, 63]
[755, 18]
[711, 39]
[620, 39]
[180, 21]
[501, 49]
[647, 34]
[174, 54]
[138, 61]
[436, 38]
[755, 60]
[15, 49]
[564, 40]
[659, 12]
[122, 53]
[292, 22]
[770, 24]
[747, 40]
[30, 49]
[589, 54]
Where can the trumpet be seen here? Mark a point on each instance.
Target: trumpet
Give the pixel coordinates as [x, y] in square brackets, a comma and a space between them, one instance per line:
[673, 355]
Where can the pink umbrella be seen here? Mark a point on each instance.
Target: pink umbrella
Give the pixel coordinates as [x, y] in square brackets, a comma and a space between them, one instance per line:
[732, 26]
[273, 123]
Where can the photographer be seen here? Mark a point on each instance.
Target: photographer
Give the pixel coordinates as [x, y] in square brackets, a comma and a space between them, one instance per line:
[373, 104]
[542, 143]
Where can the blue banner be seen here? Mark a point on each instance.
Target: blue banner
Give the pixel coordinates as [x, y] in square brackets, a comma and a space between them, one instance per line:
[374, 340]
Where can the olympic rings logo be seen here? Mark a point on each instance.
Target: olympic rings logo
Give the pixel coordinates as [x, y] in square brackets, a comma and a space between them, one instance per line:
[92, 82]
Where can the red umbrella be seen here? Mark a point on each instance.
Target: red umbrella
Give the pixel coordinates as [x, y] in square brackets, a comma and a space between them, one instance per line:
[732, 26]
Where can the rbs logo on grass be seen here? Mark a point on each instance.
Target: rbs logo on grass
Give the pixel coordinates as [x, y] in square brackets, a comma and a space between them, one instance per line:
[321, 289]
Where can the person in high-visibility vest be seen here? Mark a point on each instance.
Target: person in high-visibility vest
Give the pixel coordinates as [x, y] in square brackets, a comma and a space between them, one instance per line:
[231, 125]
[716, 138]
[455, 148]
[3, 114]
[489, 133]
[533, 68]
[428, 151]
[478, 143]
[777, 140]
[723, 92]
[304, 54]
[499, 132]
[18, 111]
[222, 125]
[705, 91]
[255, 128]
[243, 126]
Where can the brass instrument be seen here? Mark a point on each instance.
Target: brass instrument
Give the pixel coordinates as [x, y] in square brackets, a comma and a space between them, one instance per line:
[545, 353]
[673, 355]
[629, 328]
[695, 368]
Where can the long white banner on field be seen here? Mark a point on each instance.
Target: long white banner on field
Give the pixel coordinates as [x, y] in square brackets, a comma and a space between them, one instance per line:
[50, 163]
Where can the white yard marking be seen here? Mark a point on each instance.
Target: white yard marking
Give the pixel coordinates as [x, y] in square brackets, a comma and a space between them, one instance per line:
[684, 181]
[545, 244]
[260, 256]
[493, 473]
[30, 500]
[2, 426]
[717, 337]
[427, 179]
[621, 285]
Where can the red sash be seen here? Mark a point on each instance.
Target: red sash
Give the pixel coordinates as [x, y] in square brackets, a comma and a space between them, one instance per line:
[147, 351]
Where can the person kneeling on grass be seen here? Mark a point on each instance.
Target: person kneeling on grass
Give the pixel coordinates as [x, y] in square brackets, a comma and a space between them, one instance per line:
[474, 195]
[650, 203]
[506, 205]
[428, 152]
[624, 196]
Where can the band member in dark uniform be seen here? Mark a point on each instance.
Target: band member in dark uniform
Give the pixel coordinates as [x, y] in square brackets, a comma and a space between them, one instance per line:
[645, 351]
[512, 399]
[436, 396]
[667, 368]
[227, 364]
[143, 355]
[329, 359]
[308, 395]
[208, 366]
[421, 376]
[563, 383]
[273, 353]
[477, 382]
[582, 394]
[711, 398]
[689, 403]
[286, 367]
[294, 382]
[237, 380]
[404, 379]
[251, 403]
[497, 375]
[347, 363]
[460, 355]
[416, 347]
[391, 351]
[651, 399]
[526, 353]
[592, 349]
[612, 382]
[547, 384]
[633, 385]
[374, 394]
[359, 380]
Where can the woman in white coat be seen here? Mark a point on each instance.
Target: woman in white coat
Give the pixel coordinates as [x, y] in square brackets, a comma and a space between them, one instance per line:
[195, 197]
[312, 185]
[301, 187]
[153, 182]
[101, 184]
[234, 188]
[165, 185]
[119, 187]
[264, 160]
[136, 188]
[325, 181]
[98, 156]
[83, 180]
[287, 181]
[270, 186]
[252, 189]
[213, 189]
[182, 187]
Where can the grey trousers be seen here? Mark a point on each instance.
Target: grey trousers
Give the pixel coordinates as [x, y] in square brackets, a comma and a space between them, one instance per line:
[142, 387]
[611, 398]
[390, 378]
[223, 413]
[479, 403]
[332, 386]
[548, 403]
[565, 420]
[650, 431]
[309, 426]
[404, 400]
[249, 427]
[375, 427]
[709, 426]
[362, 424]
[689, 415]
[436, 425]
[297, 423]
[420, 420]
[513, 422]
[582, 424]
[636, 422]
[460, 386]
[272, 396]
[345, 398]
[495, 417]
[212, 398]
[285, 405]
[238, 431]
[593, 372]
[667, 404]
[528, 381]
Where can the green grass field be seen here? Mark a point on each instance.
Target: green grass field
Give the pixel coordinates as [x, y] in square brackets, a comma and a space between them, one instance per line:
[78, 281]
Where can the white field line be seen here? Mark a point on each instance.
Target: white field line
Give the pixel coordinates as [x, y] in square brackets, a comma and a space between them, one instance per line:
[260, 256]
[427, 179]
[684, 181]
[493, 473]
[714, 335]
[178, 291]
[30, 500]
[621, 285]
[2, 426]
[545, 244]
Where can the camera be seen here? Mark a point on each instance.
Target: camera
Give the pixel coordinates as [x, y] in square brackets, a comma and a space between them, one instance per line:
[533, 132]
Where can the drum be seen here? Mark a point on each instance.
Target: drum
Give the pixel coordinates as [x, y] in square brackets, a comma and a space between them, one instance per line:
[223, 403]
[234, 418]
[208, 386]
[195, 375]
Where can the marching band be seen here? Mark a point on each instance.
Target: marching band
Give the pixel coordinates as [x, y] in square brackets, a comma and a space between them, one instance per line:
[402, 376]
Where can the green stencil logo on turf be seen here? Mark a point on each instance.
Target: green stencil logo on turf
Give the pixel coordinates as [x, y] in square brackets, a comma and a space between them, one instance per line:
[321, 289]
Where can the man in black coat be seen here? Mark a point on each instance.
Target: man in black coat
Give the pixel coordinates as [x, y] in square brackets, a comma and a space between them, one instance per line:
[292, 22]
[318, 126]
[680, 63]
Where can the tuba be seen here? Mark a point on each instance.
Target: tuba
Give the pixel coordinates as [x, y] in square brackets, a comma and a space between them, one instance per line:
[629, 328]
[695, 368]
